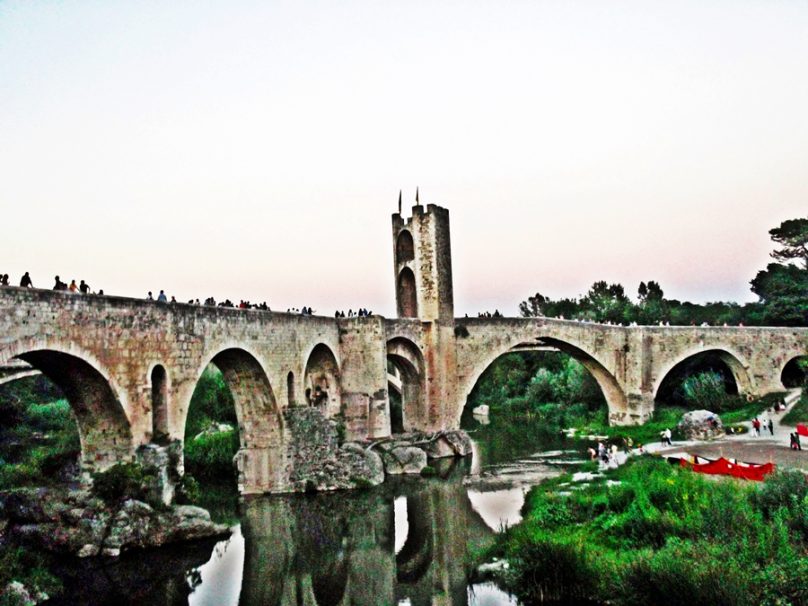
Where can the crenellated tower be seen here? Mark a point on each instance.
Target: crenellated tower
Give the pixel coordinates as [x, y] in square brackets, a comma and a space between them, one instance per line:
[422, 259]
[423, 264]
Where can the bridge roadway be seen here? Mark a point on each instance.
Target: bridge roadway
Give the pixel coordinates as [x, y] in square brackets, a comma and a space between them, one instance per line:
[129, 366]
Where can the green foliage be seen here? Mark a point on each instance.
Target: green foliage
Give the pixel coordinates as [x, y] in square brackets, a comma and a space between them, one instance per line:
[210, 455]
[211, 402]
[799, 412]
[664, 535]
[707, 390]
[27, 567]
[792, 236]
[188, 490]
[428, 472]
[123, 481]
[552, 388]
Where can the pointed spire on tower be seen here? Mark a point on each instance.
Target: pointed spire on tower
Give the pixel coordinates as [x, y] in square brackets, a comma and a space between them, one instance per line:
[399, 201]
[417, 201]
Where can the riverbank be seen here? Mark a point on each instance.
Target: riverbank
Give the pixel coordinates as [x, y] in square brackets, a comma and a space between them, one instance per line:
[652, 533]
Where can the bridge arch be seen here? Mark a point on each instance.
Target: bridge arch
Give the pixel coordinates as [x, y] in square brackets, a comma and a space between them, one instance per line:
[408, 361]
[104, 430]
[737, 367]
[612, 391]
[259, 417]
[322, 380]
[794, 372]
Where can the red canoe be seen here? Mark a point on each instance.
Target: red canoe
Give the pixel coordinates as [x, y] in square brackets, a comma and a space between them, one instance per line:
[722, 466]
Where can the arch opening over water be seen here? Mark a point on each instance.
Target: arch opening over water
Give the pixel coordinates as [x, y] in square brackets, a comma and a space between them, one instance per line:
[104, 431]
[528, 379]
[405, 381]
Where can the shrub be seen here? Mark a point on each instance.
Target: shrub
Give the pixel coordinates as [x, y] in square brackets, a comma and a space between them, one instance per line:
[123, 481]
[211, 455]
[188, 491]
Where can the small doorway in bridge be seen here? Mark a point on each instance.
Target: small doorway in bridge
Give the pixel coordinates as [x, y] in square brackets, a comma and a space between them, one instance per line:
[159, 393]
[795, 373]
[322, 381]
[290, 388]
[394, 383]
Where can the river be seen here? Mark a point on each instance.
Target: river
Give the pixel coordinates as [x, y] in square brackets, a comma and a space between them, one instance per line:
[410, 541]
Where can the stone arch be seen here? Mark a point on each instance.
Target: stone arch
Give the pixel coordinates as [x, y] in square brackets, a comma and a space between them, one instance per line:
[158, 379]
[322, 380]
[408, 360]
[104, 431]
[405, 247]
[612, 391]
[259, 418]
[792, 374]
[407, 294]
[732, 361]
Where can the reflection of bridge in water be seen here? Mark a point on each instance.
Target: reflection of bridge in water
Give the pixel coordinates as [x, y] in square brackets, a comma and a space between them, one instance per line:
[339, 550]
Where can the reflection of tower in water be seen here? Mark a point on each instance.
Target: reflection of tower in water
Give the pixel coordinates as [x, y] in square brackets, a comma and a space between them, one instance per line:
[339, 549]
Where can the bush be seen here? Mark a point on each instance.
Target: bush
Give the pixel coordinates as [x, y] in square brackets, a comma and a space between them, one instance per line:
[707, 390]
[188, 490]
[123, 481]
[27, 567]
[211, 455]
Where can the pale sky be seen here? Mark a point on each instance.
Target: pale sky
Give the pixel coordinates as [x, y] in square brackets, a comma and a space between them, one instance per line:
[256, 149]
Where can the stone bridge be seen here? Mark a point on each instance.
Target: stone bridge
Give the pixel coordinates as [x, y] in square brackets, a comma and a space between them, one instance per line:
[129, 367]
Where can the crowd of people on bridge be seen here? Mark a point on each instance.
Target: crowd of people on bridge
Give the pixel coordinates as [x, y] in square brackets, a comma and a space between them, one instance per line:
[360, 313]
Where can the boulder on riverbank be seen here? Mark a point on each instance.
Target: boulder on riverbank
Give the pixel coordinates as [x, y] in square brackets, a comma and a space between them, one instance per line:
[701, 425]
[74, 522]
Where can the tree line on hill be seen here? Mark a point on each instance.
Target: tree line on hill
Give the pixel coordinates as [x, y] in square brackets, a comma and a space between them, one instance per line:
[782, 289]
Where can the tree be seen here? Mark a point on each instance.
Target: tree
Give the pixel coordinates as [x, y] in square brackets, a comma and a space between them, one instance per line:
[792, 235]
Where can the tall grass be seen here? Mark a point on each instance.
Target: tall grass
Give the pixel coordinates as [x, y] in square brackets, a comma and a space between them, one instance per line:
[665, 536]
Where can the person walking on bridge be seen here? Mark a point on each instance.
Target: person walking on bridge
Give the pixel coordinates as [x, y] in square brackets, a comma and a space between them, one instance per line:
[25, 282]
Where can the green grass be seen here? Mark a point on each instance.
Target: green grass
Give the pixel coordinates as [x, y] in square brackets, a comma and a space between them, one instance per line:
[798, 414]
[664, 535]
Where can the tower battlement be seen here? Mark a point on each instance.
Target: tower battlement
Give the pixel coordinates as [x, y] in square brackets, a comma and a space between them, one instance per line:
[422, 261]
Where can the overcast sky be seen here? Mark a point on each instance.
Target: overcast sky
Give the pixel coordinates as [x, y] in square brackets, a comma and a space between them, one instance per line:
[256, 149]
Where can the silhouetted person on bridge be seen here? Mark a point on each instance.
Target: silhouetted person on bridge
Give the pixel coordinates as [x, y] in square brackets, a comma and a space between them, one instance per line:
[59, 285]
[74, 288]
[161, 298]
[25, 282]
[4, 280]
[84, 288]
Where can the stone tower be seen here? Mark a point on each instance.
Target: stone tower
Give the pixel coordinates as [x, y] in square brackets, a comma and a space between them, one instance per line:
[423, 264]
[423, 278]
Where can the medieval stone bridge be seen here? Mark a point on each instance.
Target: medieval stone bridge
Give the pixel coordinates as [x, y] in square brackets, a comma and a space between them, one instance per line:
[129, 367]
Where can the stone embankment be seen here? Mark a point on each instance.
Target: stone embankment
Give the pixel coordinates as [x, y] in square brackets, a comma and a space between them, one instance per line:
[320, 463]
[74, 522]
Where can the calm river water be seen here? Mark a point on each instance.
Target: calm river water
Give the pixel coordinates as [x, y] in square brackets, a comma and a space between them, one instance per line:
[407, 542]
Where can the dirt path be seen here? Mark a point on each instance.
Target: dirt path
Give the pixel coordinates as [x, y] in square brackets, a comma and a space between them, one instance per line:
[748, 447]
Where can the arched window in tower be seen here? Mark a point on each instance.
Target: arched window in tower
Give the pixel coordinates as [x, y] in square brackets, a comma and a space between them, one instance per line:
[407, 296]
[405, 249]
[159, 389]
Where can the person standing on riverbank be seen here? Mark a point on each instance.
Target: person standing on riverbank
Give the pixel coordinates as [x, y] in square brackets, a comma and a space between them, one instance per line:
[756, 426]
[771, 426]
